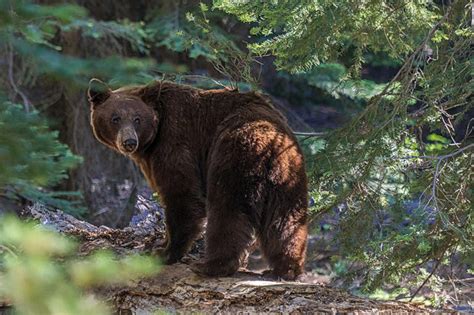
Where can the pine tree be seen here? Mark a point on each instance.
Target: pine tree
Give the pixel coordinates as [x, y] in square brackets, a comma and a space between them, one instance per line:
[401, 172]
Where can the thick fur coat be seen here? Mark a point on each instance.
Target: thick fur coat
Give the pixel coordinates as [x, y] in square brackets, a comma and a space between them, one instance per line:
[226, 156]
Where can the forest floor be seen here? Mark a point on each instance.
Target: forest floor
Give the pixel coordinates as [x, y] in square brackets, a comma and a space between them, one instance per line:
[177, 289]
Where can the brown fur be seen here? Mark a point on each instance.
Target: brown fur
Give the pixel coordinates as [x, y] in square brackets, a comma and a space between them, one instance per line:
[220, 154]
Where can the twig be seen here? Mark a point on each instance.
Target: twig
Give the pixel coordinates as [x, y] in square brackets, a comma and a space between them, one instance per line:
[428, 278]
[26, 102]
[440, 159]
[7, 249]
[407, 66]
[310, 134]
[455, 289]
[464, 280]
[434, 185]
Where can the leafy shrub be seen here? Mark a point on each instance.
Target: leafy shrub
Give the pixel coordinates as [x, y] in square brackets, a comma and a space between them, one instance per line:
[39, 273]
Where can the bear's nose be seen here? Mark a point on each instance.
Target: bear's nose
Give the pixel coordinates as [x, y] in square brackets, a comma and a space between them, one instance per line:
[130, 144]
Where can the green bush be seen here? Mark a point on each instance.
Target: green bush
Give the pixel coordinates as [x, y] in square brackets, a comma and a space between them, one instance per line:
[39, 273]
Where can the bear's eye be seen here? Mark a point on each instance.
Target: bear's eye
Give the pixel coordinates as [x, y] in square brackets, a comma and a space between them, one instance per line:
[115, 119]
[137, 121]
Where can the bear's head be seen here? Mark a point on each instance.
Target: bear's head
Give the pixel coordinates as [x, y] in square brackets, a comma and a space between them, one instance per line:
[122, 119]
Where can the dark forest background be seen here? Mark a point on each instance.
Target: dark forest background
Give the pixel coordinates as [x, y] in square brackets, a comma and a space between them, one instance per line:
[379, 93]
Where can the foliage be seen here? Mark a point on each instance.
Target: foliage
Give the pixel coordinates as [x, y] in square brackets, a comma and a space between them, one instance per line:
[303, 34]
[34, 41]
[327, 43]
[386, 168]
[334, 79]
[198, 33]
[39, 275]
[35, 155]
[134, 33]
[32, 157]
[38, 272]
[401, 170]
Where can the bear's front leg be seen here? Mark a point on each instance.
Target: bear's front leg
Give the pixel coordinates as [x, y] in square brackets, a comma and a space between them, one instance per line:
[185, 215]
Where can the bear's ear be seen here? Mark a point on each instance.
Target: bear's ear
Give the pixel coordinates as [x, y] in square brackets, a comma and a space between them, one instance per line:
[98, 92]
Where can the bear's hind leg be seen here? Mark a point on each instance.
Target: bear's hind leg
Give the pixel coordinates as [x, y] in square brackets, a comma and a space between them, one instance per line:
[284, 246]
[228, 236]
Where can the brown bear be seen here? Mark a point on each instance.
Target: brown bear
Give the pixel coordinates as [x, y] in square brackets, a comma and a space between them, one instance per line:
[223, 155]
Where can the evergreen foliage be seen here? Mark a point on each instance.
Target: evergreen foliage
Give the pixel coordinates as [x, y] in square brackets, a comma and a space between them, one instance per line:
[303, 34]
[400, 173]
[31, 156]
[38, 271]
[334, 79]
[198, 33]
[31, 38]
[29, 151]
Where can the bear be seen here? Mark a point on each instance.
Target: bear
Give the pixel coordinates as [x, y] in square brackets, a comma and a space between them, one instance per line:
[221, 155]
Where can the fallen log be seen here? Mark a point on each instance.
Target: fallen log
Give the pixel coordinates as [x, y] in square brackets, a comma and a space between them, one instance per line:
[178, 289]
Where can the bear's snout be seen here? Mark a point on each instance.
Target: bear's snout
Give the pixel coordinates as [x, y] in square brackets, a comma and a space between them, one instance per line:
[127, 140]
[130, 145]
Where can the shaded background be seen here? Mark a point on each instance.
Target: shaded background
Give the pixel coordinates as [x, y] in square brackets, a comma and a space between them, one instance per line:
[51, 51]
[109, 182]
